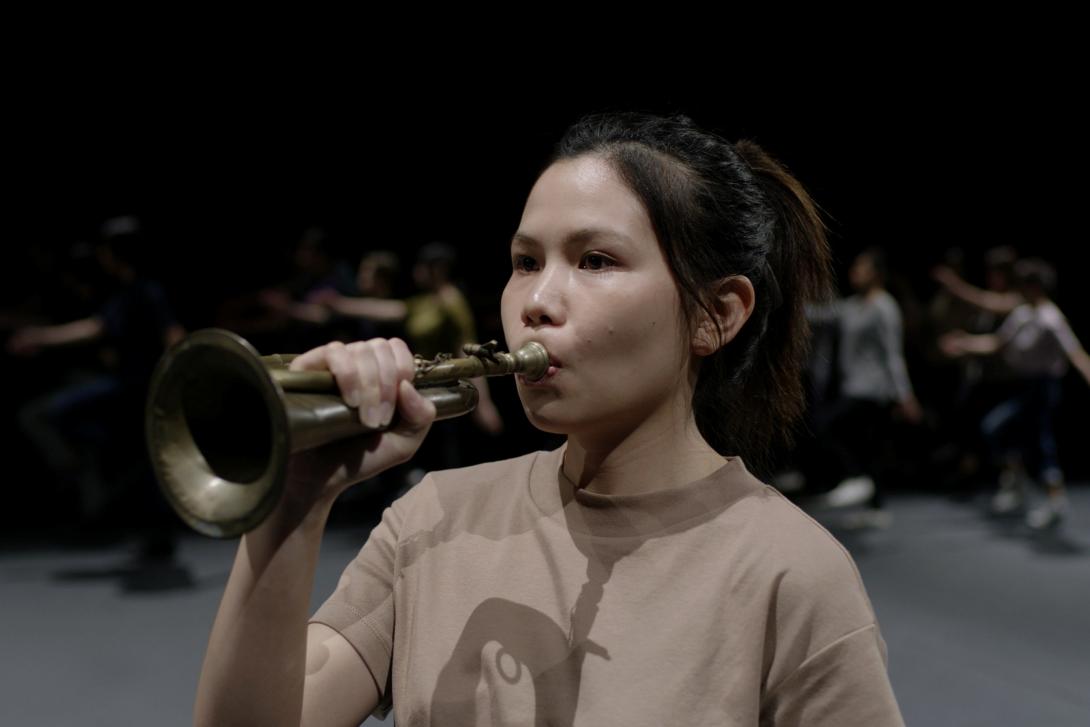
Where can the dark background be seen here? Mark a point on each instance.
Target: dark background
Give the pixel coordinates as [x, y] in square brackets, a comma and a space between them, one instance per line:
[226, 168]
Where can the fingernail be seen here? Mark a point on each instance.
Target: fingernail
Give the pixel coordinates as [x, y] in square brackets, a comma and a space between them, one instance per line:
[373, 417]
[387, 410]
[352, 398]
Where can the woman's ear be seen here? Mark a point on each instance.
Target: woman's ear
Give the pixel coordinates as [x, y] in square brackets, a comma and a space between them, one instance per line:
[732, 305]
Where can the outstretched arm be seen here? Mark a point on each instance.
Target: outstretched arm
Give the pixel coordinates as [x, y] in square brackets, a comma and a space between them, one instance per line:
[1081, 361]
[998, 303]
[374, 309]
[960, 343]
[1071, 345]
[31, 339]
[892, 332]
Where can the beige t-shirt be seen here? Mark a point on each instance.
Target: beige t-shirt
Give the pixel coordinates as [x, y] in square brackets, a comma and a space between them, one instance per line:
[502, 594]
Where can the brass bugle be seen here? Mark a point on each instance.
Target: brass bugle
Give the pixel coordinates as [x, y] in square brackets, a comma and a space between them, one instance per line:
[222, 420]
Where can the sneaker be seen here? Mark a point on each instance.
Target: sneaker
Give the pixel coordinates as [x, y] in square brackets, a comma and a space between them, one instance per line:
[790, 481]
[1006, 502]
[1011, 496]
[852, 491]
[1045, 517]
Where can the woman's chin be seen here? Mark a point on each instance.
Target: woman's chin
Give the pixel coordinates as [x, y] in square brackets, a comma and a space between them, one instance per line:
[548, 418]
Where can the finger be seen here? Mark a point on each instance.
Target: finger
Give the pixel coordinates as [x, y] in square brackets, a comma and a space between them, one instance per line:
[339, 363]
[312, 360]
[415, 409]
[417, 412]
[387, 378]
[361, 359]
[406, 365]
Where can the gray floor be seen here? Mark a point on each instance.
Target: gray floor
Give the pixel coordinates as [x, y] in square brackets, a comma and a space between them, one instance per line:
[986, 625]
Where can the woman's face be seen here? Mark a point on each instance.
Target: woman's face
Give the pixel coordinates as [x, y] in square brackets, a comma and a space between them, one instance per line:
[861, 274]
[590, 282]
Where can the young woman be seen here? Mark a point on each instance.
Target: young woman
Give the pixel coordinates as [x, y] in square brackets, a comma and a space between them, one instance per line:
[639, 574]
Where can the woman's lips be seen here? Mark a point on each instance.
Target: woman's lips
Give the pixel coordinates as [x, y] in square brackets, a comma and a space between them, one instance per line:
[549, 374]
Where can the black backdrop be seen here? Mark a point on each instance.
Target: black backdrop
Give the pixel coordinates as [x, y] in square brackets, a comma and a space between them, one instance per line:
[227, 172]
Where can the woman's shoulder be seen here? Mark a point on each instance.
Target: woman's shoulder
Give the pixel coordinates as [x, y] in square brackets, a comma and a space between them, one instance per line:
[885, 303]
[814, 588]
[808, 558]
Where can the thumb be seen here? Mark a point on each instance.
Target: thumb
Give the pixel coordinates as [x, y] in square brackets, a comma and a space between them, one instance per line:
[416, 412]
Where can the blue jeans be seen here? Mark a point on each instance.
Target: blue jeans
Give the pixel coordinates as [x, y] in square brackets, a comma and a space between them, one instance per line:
[1022, 426]
[73, 417]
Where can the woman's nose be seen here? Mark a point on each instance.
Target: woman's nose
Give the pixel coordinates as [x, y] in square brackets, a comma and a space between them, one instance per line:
[544, 305]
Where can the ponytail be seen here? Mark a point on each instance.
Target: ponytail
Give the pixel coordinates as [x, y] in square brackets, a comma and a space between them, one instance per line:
[801, 264]
[718, 210]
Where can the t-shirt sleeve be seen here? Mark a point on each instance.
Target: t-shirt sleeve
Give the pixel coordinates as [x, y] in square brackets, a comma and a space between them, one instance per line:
[1010, 325]
[843, 685]
[1063, 333]
[361, 608]
[893, 340]
[827, 663]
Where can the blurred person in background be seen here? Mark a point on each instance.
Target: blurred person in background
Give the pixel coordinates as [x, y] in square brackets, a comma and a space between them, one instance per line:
[376, 280]
[437, 319]
[277, 319]
[874, 388]
[984, 381]
[73, 426]
[1037, 344]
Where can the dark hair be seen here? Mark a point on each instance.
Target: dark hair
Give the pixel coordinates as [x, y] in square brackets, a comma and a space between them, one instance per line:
[721, 209]
[1001, 258]
[124, 237]
[438, 254]
[878, 262]
[387, 264]
[1036, 272]
[954, 257]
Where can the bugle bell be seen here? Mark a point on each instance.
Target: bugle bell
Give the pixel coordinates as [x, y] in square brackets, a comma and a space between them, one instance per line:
[221, 419]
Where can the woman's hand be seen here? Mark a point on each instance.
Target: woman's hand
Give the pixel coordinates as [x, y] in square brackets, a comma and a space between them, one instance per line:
[375, 378]
[945, 276]
[25, 341]
[953, 344]
[910, 410]
[275, 299]
[257, 669]
[324, 296]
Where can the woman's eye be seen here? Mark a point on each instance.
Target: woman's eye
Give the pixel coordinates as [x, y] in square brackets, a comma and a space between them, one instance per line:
[523, 262]
[597, 261]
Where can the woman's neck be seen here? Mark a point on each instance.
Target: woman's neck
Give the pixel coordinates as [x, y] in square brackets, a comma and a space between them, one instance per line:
[655, 456]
